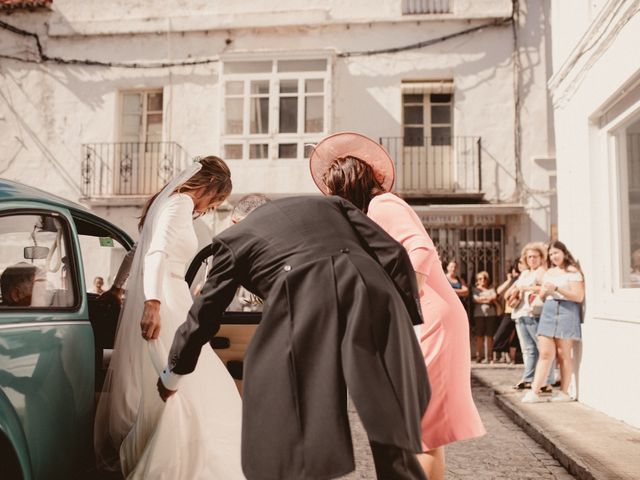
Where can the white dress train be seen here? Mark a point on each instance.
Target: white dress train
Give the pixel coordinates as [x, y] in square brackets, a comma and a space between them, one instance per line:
[196, 434]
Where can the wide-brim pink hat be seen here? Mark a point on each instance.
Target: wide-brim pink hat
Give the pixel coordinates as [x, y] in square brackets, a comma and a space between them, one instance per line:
[357, 145]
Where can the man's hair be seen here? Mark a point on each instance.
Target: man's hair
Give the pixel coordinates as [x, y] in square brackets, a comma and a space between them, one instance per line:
[15, 276]
[248, 204]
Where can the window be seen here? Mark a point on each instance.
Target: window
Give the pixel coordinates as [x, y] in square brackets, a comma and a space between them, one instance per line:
[628, 152]
[273, 109]
[139, 155]
[141, 120]
[417, 7]
[427, 114]
[102, 257]
[37, 271]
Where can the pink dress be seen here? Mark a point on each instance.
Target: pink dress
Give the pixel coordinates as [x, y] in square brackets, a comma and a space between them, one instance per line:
[444, 337]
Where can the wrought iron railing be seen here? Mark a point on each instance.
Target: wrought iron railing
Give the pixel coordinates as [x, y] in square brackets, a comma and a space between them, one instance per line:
[420, 7]
[129, 168]
[436, 165]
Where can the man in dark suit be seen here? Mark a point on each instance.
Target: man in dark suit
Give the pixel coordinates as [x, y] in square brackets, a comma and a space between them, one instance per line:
[340, 300]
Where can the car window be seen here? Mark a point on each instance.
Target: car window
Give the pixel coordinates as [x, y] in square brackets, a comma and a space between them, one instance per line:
[101, 258]
[36, 270]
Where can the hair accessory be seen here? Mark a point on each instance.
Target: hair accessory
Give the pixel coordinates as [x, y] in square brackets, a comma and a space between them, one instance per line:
[351, 144]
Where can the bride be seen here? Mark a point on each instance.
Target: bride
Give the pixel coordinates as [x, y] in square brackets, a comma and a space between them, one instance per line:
[196, 434]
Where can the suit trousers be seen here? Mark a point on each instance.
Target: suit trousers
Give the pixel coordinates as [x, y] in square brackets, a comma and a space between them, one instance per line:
[393, 463]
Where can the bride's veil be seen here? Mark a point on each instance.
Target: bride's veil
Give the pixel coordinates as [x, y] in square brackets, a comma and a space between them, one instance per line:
[121, 394]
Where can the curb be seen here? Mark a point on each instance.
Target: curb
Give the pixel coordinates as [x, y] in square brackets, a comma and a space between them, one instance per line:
[560, 452]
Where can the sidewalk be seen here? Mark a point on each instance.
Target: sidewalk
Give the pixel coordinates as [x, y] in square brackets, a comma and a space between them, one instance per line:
[589, 444]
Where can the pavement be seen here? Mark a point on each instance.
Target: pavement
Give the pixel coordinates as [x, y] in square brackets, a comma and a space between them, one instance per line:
[558, 441]
[588, 443]
[506, 452]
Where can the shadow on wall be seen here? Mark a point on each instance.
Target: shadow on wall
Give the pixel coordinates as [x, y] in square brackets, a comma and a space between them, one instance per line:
[26, 135]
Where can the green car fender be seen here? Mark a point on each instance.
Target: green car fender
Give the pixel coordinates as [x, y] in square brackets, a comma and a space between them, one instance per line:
[11, 430]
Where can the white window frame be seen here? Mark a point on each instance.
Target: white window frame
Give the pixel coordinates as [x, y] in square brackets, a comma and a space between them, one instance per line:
[273, 138]
[426, 89]
[145, 112]
[612, 301]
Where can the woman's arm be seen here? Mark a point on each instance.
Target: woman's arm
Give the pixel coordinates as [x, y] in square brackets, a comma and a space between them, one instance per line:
[574, 292]
[505, 285]
[463, 291]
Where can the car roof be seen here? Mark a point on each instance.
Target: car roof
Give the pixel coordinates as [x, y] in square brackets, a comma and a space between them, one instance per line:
[10, 190]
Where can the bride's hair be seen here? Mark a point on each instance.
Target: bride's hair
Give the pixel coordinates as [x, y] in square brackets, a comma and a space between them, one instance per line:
[214, 175]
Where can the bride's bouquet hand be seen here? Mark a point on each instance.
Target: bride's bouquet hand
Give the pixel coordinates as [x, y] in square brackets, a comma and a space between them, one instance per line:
[150, 323]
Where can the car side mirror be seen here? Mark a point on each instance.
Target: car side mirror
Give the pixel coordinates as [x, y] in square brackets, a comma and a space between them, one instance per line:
[36, 253]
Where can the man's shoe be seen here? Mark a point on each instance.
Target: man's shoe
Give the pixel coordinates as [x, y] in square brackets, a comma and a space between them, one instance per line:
[531, 397]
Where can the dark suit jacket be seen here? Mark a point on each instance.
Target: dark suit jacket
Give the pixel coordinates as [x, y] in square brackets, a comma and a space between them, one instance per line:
[340, 300]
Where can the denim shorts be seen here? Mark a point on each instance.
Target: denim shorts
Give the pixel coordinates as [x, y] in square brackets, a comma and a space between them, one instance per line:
[560, 319]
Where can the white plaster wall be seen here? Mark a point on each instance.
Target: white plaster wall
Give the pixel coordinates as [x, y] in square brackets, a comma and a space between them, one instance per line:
[75, 105]
[48, 111]
[146, 15]
[611, 331]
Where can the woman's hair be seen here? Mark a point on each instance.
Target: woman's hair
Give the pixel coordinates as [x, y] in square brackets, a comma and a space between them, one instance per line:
[484, 274]
[536, 247]
[214, 175]
[354, 180]
[568, 260]
[515, 265]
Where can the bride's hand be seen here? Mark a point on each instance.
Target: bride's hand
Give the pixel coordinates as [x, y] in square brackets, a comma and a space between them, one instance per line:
[150, 323]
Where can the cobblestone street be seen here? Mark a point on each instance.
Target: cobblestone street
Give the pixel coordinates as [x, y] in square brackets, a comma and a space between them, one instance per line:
[506, 452]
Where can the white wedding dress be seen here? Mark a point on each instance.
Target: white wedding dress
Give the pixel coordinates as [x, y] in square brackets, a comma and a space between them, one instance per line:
[196, 434]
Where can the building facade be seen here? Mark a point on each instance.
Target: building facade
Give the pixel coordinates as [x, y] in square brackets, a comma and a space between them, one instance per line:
[596, 98]
[103, 101]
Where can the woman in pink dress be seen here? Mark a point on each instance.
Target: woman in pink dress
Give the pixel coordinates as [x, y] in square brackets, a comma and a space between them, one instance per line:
[359, 170]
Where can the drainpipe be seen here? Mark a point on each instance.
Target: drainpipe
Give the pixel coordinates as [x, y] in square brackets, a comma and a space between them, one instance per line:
[517, 74]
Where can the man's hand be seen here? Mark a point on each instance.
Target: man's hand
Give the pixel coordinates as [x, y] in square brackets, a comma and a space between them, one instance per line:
[150, 323]
[164, 391]
[112, 296]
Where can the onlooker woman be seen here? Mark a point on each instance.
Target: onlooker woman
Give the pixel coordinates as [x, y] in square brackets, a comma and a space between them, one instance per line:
[361, 171]
[563, 293]
[505, 341]
[458, 284]
[525, 314]
[485, 316]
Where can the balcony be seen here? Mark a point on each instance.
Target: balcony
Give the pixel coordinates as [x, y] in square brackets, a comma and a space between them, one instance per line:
[129, 169]
[437, 166]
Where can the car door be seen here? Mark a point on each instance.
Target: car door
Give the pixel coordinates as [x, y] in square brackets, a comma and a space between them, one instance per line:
[103, 247]
[46, 341]
[238, 323]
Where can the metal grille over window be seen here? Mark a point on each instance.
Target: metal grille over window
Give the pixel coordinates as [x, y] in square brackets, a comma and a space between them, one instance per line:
[475, 249]
[272, 109]
[418, 7]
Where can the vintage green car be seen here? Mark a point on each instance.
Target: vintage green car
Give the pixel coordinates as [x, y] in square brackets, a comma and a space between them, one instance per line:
[55, 335]
[52, 331]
